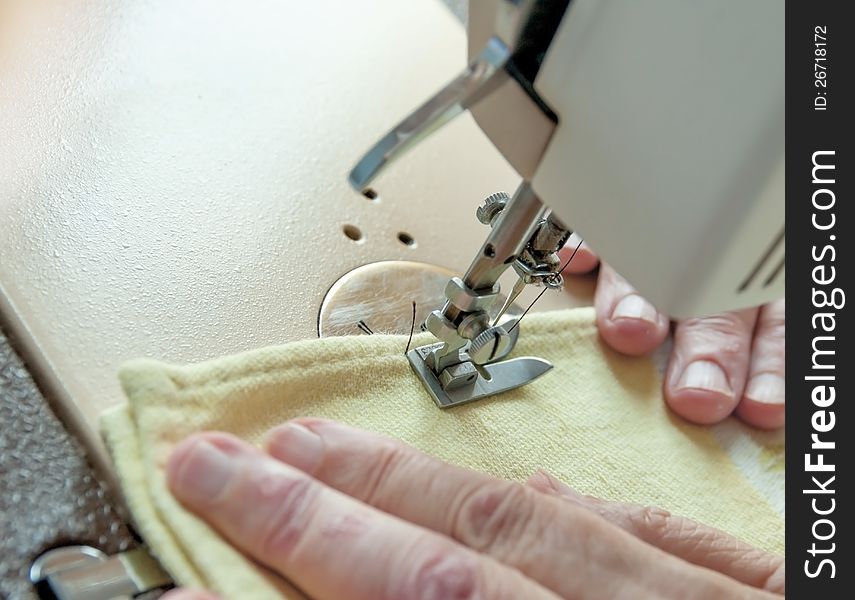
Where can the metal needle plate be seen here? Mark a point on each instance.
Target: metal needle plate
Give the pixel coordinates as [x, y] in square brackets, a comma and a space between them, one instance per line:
[504, 376]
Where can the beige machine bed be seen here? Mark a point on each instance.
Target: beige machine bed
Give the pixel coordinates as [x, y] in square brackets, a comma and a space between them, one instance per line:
[173, 176]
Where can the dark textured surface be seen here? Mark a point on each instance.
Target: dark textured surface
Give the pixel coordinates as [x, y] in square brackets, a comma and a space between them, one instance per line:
[49, 495]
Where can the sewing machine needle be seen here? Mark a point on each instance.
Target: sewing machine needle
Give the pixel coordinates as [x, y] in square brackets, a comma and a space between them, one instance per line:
[519, 286]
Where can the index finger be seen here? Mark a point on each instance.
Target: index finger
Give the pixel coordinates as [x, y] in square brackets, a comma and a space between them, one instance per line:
[541, 536]
[328, 544]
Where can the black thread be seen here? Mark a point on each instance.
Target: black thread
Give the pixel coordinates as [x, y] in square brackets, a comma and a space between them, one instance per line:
[543, 291]
[412, 329]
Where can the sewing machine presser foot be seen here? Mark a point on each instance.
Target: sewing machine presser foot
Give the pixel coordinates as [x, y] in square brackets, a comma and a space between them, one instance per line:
[466, 382]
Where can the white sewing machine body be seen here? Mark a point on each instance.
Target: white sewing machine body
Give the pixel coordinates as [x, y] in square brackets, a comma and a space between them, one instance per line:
[655, 130]
[668, 156]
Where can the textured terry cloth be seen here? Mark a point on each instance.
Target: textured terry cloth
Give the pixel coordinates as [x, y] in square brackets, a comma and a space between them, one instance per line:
[596, 421]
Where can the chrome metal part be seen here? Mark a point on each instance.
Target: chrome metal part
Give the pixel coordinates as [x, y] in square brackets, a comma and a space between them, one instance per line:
[491, 207]
[519, 286]
[85, 573]
[491, 345]
[453, 351]
[447, 353]
[473, 324]
[522, 234]
[497, 87]
[469, 300]
[501, 377]
[514, 226]
[551, 235]
[509, 242]
[539, 262]
[538, 273]
[508, 237]
[458, 376]
[441, 328]
[484, 74]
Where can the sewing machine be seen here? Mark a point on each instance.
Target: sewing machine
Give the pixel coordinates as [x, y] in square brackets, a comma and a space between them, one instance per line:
[622, 119]
[173, 179]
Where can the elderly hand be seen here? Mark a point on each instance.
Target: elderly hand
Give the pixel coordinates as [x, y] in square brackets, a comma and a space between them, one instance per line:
[343, 513]
[725, 363]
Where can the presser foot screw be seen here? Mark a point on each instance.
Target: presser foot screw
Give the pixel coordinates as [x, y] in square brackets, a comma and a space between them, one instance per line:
[492, 344]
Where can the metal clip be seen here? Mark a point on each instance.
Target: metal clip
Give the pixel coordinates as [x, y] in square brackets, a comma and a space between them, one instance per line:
[86, 573]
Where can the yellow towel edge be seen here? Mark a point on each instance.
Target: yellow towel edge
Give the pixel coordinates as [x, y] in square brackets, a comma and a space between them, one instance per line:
[119, 432]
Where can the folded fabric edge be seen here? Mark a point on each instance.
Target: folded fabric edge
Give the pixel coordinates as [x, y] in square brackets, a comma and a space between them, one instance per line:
[302, 354]
[151, 513]
[119, 432]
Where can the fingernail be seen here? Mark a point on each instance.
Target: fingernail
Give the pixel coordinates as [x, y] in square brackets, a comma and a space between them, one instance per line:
[298, 446]
[767, 388]
[705, 375]
[203, 473]
[635, 307]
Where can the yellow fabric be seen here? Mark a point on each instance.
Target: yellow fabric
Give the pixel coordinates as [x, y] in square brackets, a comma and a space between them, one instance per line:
[596, 421]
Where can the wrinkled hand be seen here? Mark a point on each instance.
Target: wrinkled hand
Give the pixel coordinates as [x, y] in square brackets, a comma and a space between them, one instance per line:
[730, 362]
[343, 513]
